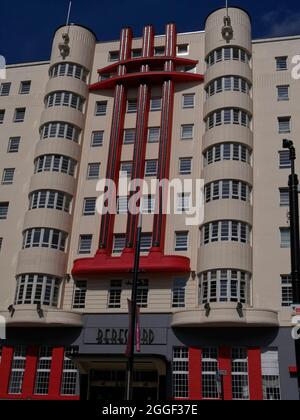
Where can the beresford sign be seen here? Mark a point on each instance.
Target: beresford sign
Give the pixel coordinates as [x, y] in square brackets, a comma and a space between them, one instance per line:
[119, 336]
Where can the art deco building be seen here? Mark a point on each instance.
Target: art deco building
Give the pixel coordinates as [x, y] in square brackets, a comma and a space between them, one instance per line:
[216, 296]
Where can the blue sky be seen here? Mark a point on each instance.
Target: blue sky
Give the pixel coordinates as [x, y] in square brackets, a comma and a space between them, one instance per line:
[26, 27]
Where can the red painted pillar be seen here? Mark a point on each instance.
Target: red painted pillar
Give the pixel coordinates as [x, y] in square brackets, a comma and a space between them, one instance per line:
[225, 364]
[30, 372]
[56, 371]
[195, 374]
[5, 367]
[255, 374]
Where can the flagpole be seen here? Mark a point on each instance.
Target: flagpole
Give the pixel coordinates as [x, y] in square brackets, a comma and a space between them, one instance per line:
[132, 334]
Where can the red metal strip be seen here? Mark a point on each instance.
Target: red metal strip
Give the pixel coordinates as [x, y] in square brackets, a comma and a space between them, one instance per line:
[255, 374]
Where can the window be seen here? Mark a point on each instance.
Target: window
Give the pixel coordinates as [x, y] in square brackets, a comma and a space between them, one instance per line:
[55, 163]
[44, 238]
[60, 130]
[228, 83]
[284, 197]
[226, 230]
[25, 87]
[285, 237]
[227, 189]
[131, 106]
[97, 139]
[239, 374]
[19, 116]
[142, 293]
[50, 199]
[136, 53]
[79, 297]
[180, 372]
[156, 104]
[43, 371]
[34, 289]
[188, 101]
[2, 114]
[8, 176]
[284, 159]
[270, 374]
[17, 371]
[281, 63]
[129, 136]
[283, 93]
[114, 56]
[286, 291]
[70, 70]
[148, 204]
[159, 51]
[185, 166]
[146, 242]
[153, 134]
[209, 373]
[85, 244]
[13, 145]
[119, 243]
[3, 210]
[115, 292]
[227, 53]
[122, 205]
[62, 98]
[228, 116]
[284, 124]
[187, 132]
[69, 376]
[93, 171]
[181, 241]
[5, 89]
[183, 49]
[89, 206]
[224, 286]
[178, 293]
[101, 108]
[151, 168]
[126, 169]
[183, 202]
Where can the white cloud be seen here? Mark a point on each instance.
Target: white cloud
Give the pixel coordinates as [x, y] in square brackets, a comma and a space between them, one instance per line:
[282, 23]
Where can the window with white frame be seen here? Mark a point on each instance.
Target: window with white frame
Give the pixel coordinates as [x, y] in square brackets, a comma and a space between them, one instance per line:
[187, 132]
[224, 286]
[185, 166]
[181, 241]
[45, 238]
[228, 83]
[270, 374]
[13, 144]
[153, 134]
[8, 176]
[284, 125]
[93, 171]
[188, 101]
[180, 372]
[183, 202]
[2, 115]
[126, 169]
[97, 138]
[228, 116]
[281, 63]
[43, 371]
[119, 243]
[142, 293]
[225, 230]
[114, 56]
[283, 92]
[19, 115]
[122, 204]
[50, 199]
[183, 49]
[70, 70]
[178, 293]
[227, 53]
[64, 98]
[17, 371]
[227, 189]
[156, 104]
[286, 291]
[69, 376]
[114, 295]
[146, 242]
[209, 373]
[284, 159]
[89, 206]
[55, 163]
[60, 130]
[101, 108]
[4, 210]
[284, 197]
[285, 238]
[5, 89]
[129, 136]
[25, 87]
[227, 151]
[132, 106]
[79, 297]
[85, 244]
[239, 374]
[34, 289]
[148, 204]
[151, 168]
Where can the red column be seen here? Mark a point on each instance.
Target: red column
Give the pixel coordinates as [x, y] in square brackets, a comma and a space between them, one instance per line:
[255, 374]
[225, 364]
[5, 367]
[30, 372]
[56, 371]
[195, 376]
